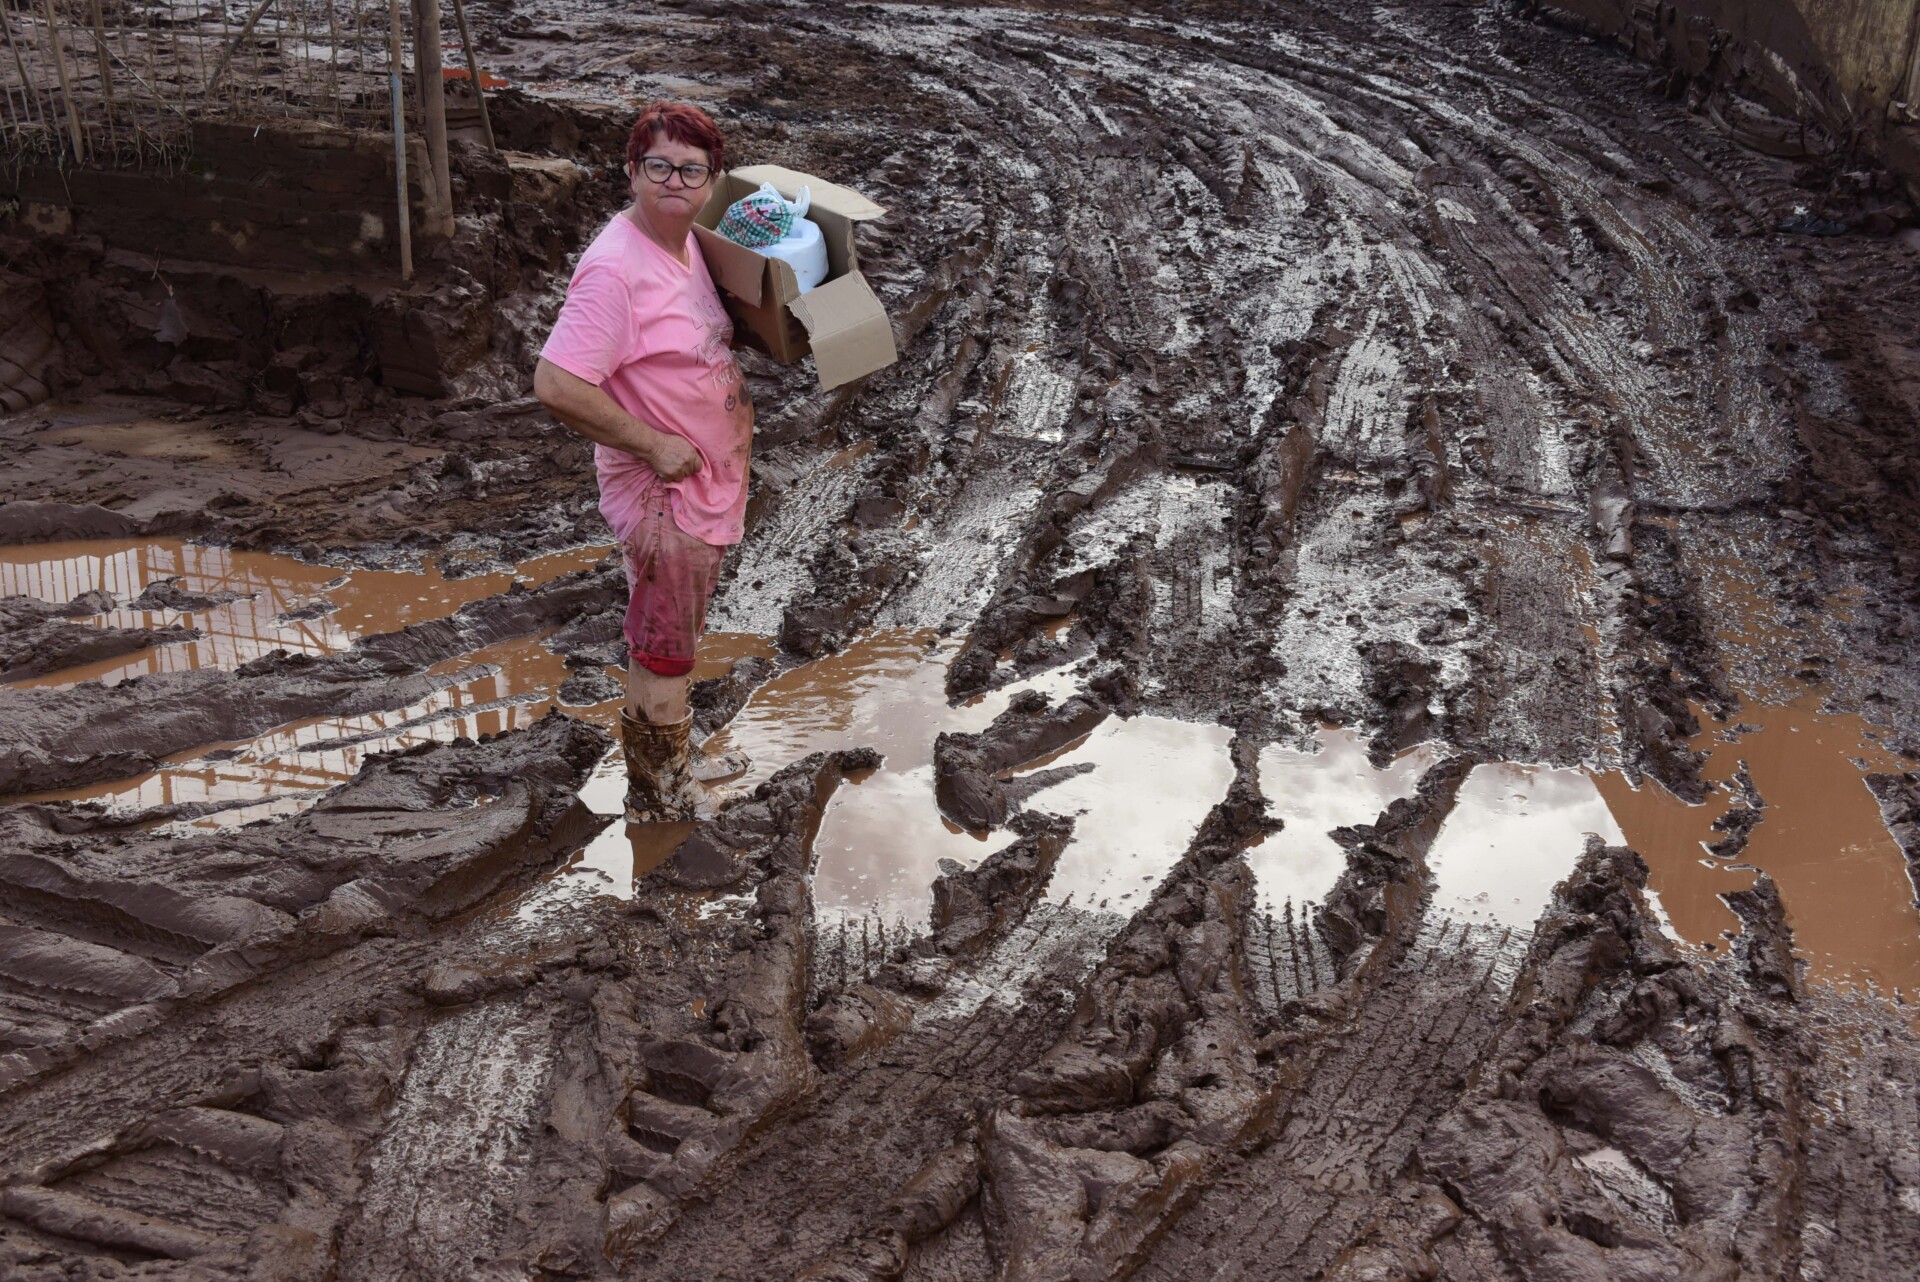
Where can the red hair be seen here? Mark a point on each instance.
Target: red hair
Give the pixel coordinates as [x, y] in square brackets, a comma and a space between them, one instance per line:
[682, 124]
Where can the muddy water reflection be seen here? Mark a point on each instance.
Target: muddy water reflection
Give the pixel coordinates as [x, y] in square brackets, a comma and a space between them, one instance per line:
[269, 588]
[1820, 838]
[501, 687]
[882, 839]
[1514, 833]
[1314, 793]
[884, 691]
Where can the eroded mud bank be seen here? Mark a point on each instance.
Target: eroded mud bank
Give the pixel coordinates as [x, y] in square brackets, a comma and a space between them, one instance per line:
[1337, 462]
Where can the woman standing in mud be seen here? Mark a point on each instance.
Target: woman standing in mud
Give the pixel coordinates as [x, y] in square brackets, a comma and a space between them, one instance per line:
[640, 362]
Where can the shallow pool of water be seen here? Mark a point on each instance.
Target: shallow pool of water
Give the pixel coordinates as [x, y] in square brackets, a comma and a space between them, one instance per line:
[1843, 880]
[881, 841]
[500, 687]
[1315, 792]
[364, 602]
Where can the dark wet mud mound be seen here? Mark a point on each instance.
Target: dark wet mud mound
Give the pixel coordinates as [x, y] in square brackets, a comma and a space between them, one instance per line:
[37, 637]
[105, 932]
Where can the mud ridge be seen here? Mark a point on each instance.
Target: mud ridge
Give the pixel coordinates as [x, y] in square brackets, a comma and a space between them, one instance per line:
[106, 934]
[1638, 1116]
[38, 637]
[969, 769]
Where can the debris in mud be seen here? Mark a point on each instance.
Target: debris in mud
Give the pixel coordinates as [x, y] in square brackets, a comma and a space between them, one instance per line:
[588, 687]
[167, 594]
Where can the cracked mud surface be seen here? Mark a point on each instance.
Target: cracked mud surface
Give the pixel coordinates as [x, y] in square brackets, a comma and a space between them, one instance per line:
[1336, 464]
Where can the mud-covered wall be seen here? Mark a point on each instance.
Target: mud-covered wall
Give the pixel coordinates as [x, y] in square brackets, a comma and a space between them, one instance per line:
[295, 196]
[1847, 70]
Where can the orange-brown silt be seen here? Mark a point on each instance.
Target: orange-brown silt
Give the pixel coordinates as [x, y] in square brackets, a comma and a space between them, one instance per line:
[1842, 878]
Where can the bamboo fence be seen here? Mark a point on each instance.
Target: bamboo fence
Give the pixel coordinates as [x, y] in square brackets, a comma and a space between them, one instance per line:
[123, 82]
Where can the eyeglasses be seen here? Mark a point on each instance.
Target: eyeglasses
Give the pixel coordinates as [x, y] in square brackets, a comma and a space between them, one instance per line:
[658, 169]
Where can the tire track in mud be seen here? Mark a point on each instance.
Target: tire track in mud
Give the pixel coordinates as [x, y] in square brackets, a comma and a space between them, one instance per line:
[1133, 302]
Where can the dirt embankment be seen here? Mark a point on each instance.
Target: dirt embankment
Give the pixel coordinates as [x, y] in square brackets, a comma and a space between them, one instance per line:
[1420, 370]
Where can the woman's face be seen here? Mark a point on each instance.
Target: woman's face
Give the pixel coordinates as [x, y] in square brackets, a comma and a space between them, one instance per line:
[672, 201]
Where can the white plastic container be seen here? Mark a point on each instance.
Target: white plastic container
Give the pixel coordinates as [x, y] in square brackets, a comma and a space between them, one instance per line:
[804, 249]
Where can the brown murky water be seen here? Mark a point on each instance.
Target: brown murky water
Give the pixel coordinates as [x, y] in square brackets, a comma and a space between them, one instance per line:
[1820, 838]
[1517, 829]
[881, 842]
[500, 687]
[367, 601]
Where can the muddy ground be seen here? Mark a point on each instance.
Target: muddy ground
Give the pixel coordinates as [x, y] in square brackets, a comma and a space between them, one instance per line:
[1433, 372]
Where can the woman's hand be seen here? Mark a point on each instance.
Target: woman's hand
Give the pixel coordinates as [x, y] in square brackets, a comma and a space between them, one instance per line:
[593, 414]
[673, 457]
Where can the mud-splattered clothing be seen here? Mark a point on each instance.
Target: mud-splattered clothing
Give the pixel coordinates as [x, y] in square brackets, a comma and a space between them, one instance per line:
[670, 578]
[652, 334]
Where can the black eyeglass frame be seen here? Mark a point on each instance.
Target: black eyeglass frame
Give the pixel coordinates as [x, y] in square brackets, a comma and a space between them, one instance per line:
[705, 172]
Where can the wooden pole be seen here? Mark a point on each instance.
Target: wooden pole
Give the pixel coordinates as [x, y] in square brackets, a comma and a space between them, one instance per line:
[66, 85]
[28, 90]
[106, 70]
[399, 138]
[473, 70]
[333, 59]
[433, 107]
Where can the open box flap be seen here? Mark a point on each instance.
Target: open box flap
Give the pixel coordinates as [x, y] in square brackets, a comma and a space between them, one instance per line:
[848, 329]
[828, 196]
[740, 271]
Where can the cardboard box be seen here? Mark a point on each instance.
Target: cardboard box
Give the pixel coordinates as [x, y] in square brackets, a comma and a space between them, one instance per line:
[839, 320]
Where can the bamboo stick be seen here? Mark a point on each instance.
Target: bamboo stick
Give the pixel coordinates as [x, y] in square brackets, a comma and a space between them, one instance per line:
[66, 85]
[473, 70]
[333, 59]
[233, 46]
[106, 71]
[399, 138]
[28, 88]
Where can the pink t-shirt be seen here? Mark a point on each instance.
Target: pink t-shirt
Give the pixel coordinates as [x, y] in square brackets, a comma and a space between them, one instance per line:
[653, 335]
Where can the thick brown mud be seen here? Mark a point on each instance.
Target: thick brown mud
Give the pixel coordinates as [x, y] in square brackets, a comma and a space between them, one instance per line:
[1345, 711]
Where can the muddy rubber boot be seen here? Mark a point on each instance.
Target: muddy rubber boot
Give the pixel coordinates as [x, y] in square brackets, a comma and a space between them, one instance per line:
[720, 767]
[660, 783]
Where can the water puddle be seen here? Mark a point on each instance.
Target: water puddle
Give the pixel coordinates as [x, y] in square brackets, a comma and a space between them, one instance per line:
[273, 591]
[1514, 833]
[1821, 839]
[1314, 793]
[1516, 830]
[500, 687]
[882, 839]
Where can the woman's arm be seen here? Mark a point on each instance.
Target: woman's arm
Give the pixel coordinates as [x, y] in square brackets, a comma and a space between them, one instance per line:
[593, 414]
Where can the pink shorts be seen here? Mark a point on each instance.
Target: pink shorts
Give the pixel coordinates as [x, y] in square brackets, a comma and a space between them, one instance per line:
[670, 578]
